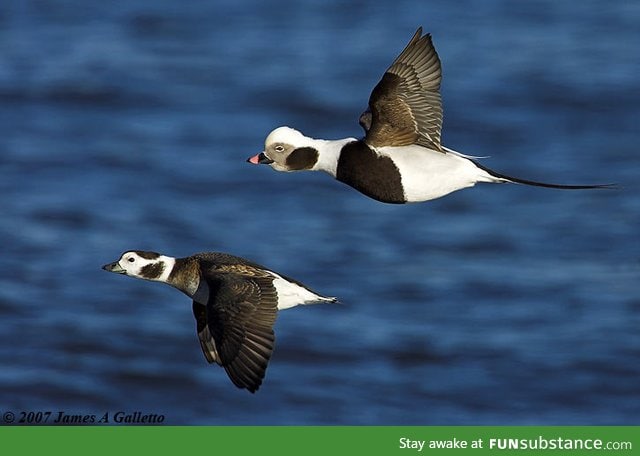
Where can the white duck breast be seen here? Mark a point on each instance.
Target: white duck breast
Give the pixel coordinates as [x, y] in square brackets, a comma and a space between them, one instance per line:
[401, 158]
[235, 304]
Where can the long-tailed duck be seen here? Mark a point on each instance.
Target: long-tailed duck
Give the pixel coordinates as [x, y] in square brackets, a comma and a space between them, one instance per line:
[401, 158]
[235, 303]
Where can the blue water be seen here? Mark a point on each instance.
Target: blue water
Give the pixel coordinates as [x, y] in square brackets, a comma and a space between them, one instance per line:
[125, 125]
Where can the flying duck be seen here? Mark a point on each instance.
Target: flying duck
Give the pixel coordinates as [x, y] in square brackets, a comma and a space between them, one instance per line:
[235, 302]
[401, 158]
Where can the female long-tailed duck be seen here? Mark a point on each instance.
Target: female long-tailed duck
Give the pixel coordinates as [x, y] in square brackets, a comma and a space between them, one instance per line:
[235, 303]
[401, 158]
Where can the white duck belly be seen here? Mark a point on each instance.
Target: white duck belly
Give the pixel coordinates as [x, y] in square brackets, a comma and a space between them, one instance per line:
[427, 174]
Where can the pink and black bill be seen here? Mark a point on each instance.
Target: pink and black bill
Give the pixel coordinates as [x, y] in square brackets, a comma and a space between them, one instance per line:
[260, 159]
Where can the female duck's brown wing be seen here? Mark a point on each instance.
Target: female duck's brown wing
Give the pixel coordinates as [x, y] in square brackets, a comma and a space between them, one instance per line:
[235, 327]
[405, 107]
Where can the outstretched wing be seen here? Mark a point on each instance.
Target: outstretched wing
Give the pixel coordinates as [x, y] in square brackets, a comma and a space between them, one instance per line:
[405, 107]
[235, 327]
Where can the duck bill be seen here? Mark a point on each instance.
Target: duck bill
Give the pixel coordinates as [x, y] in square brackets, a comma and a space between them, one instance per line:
[114, 267]
[260, 159]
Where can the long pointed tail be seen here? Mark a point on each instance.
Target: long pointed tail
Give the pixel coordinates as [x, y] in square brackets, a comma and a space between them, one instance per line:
[517, 180]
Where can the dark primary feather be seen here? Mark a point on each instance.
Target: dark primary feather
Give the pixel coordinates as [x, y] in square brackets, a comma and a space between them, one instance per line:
[405, 106]
[235, 328]
[204, 336]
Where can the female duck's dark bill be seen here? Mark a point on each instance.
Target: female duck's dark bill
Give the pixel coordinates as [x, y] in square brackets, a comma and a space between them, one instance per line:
[260, 159]
[114, 267]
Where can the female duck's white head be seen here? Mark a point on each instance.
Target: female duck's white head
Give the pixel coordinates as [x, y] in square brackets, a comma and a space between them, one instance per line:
[286, 149]
[143, 265]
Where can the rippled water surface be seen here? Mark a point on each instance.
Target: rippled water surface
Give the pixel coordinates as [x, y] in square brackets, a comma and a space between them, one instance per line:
[126, 125]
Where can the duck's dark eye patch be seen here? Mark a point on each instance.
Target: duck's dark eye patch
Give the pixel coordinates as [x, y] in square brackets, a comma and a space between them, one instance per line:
[131, 260]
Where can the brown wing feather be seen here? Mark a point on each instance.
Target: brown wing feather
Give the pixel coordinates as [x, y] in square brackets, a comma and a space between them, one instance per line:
[236, 328]
[204, 336]
[405, 106]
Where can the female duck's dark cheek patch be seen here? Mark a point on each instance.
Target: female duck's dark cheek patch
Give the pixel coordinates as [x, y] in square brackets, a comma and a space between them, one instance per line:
[152, 271]
[302, 158]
